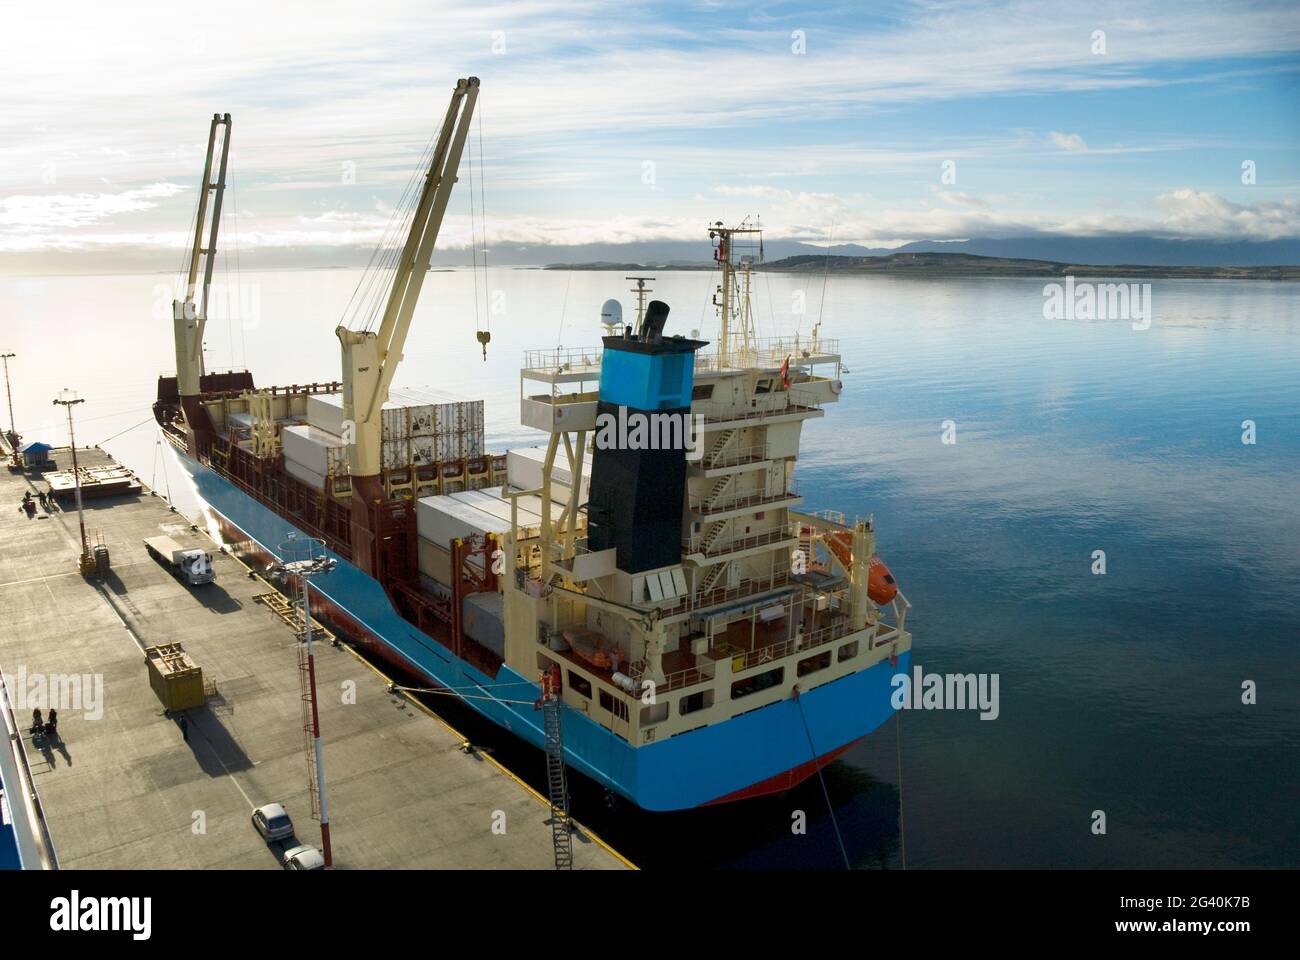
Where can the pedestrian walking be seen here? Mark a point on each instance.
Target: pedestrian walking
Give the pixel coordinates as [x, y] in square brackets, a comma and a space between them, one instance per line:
[185, 729]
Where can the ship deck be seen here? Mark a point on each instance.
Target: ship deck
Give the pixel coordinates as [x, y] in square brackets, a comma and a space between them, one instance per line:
[127, 791]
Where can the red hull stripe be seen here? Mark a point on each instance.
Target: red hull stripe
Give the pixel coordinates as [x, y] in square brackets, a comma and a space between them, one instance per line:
[783, 781]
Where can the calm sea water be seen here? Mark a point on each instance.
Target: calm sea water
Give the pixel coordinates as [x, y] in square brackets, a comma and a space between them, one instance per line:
[1120, 693]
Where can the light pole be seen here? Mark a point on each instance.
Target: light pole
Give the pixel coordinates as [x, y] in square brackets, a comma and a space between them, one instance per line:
[304, 569]
[13, 437]
[69, 399]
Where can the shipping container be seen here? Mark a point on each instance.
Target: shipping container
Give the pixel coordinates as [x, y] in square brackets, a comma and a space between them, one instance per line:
[396, 454]
[176, 680]
[484, 617]
[435, 561]
[325, 410]
[524, 472]
[423, 450]
[309, 477]
[315, 449]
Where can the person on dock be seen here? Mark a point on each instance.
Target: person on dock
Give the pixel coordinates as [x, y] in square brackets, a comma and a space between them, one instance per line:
[38, 722]
[44, 505]
[185, 728]
[52, 725]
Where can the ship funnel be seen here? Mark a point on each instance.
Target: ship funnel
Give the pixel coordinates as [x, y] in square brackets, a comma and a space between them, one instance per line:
[638, 474]
[656, 315]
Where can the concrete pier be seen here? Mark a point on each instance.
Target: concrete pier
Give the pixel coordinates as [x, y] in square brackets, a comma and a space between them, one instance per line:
[123, 789]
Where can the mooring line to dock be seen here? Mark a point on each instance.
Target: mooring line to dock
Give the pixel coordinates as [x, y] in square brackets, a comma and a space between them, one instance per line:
[127, 430]
[822, 780]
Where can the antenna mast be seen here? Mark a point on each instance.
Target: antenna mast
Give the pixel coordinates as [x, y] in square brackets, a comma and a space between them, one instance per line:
[733, 321]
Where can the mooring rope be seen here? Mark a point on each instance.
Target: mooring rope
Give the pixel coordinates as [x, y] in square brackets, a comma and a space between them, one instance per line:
[822, 779]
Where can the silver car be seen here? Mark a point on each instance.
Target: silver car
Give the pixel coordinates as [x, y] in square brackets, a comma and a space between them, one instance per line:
[305, 857]
[272, 822]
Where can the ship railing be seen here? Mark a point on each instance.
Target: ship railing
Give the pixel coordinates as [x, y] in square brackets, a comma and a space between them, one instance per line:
[735, 544]
[745, 588]
[796, 644]
[557, 360]
[767, 405]
[703, 672]
[23, 803]
[799, 349]
[755, 453]
[701, 505]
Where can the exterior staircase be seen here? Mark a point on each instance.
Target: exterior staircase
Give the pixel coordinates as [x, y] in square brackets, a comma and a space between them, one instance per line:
[720, 444]
[712, 577]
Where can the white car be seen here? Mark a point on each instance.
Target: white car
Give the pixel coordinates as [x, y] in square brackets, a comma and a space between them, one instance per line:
[303, 858]
[272, 822]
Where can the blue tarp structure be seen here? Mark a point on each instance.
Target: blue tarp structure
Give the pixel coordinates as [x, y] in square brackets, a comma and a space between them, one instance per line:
[35, 452]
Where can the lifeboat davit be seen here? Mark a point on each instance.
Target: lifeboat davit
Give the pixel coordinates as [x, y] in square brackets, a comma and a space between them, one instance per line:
[881, 587]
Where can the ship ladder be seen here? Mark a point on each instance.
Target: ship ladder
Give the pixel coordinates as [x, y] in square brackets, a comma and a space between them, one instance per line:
[561, 838]
[304, 689]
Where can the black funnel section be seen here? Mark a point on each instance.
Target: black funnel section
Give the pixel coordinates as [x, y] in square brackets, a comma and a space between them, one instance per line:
[652, 325]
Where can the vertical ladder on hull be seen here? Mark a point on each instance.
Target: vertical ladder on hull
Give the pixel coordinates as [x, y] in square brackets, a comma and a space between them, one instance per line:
[561, 838]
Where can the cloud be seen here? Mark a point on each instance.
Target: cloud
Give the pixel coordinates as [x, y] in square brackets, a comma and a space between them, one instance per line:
[1199, 213]
[582, 95]
[1071, 142]
[68, 211]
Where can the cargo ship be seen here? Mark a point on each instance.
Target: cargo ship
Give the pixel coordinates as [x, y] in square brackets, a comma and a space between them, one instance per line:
[637, 595]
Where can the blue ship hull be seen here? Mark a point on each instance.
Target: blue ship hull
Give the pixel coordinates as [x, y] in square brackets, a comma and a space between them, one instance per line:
[762, 751]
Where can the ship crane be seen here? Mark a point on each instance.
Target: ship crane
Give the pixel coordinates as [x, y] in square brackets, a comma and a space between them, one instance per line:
[190, 317]
[370, 357]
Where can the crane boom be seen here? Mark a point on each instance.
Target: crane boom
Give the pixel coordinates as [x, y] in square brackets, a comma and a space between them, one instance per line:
[190, 317]
[370, 358]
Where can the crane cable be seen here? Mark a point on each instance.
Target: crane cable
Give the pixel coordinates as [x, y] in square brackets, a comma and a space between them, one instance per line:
[482, 212]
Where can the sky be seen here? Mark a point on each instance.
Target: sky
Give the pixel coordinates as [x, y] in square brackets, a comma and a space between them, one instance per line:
[875, 123]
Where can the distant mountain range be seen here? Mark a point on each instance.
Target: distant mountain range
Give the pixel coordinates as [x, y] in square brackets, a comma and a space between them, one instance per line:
[967, 265]
[663, 254]
[1099, 251]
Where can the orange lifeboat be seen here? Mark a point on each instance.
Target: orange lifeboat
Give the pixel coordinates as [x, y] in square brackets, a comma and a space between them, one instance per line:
[881, 587]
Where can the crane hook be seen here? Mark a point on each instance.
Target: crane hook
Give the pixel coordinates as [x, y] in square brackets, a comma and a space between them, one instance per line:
[483, 337]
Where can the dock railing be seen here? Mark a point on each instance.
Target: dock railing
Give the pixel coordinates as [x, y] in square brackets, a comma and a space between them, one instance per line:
[35, 847]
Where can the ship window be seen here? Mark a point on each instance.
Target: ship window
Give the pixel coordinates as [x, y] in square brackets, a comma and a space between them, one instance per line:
[580, 684]
[702, 391]
[655, 713]
[848, 651]
[757, 683]
[617, 707]
[763, 386]
[695, 701]
[812, 664]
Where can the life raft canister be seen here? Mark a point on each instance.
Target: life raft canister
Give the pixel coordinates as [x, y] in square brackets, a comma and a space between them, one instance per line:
[881, 587]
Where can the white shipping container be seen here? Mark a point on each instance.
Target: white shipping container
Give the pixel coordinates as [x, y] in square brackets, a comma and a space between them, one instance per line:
[441, 520]
[420, 420]
[401, 416]
[423, 450]
[309, 477]
[524, 472]
[446, 447]
[317, 450]
[395, 454]
[325, 410]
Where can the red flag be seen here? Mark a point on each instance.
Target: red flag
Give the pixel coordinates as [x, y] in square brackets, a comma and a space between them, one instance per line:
[785, 374]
